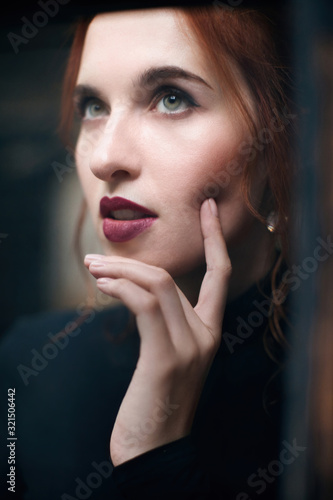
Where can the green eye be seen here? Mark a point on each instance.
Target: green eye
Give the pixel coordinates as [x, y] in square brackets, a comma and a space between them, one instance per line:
[172, 102]
[94, 109]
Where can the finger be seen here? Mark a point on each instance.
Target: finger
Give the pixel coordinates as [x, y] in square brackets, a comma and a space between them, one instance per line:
[89, 258]
[96, 262]
[214, 288]
[156, 281]
[144, 305]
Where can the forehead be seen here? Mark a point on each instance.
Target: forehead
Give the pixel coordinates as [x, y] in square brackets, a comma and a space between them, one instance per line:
[132, 40]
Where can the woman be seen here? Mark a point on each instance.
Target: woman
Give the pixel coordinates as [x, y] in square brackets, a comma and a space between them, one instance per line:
[183, 157]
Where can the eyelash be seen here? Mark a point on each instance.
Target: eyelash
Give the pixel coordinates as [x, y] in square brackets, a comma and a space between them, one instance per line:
[81, 103]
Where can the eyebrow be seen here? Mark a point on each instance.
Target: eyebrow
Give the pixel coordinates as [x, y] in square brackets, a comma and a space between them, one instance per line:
[148, 79]
[155, 75]
[83, 90]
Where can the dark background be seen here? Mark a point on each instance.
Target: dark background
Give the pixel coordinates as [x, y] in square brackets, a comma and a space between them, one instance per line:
[30, 91]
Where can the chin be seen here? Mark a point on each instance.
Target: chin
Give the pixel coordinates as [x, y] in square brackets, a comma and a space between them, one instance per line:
[176, 267]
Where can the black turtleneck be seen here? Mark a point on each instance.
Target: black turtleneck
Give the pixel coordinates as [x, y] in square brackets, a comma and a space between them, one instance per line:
[68, 391]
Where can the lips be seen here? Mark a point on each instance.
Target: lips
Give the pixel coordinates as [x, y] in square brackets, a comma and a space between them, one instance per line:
[124, 219]
[109, 205]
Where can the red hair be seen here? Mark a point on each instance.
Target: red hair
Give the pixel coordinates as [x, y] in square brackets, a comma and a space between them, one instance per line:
[241, 39]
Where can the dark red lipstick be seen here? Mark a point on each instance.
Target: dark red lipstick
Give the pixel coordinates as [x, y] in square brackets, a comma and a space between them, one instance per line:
[124, 219]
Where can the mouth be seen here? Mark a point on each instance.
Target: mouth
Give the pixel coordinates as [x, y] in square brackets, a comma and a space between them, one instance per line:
[124, 219]
[118, 208]
[127, 214]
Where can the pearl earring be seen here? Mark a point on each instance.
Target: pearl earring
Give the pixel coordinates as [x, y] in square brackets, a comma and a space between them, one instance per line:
[271, 222]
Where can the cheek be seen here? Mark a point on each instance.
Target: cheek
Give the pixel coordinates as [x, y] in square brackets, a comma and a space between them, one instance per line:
[207, 162]
[197, 149]
[85, 179]
[213, 167]
[89, 182]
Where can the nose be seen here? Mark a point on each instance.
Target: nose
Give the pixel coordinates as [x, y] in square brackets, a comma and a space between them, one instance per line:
[115, 150]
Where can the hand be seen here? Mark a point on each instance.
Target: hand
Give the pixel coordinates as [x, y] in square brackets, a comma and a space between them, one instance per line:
[178, 342]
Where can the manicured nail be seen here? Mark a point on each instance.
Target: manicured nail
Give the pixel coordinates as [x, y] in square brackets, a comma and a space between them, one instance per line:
[97, 264]
[104, 281]
[213, 207]
[91, 256]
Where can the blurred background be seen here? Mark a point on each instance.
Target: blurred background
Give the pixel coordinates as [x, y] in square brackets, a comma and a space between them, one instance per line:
[39, 195]
[40, 203]
[33, 231]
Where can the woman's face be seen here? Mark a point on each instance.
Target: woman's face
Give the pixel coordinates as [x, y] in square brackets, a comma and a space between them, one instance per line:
[157, 130]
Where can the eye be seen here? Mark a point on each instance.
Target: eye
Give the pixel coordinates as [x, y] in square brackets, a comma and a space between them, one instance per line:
[173, 101]
[91, 108]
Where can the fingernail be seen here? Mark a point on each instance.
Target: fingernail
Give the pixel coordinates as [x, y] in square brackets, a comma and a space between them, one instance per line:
[96, 264]
[213, 207]
[92, 256]
[104, 281]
